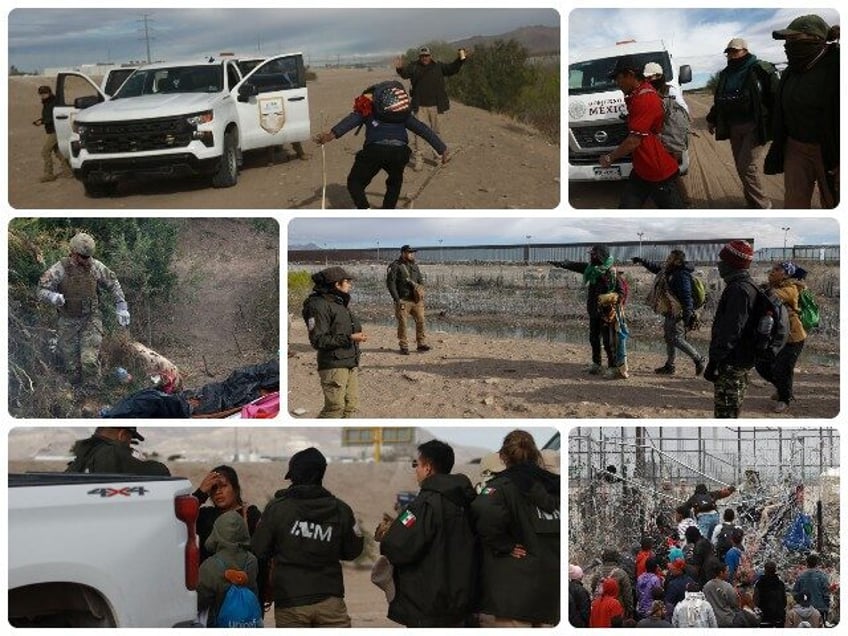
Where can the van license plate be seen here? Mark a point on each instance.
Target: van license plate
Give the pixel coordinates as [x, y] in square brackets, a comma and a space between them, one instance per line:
[612, 173]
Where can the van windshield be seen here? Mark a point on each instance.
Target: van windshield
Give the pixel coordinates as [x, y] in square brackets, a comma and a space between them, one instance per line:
[592, 76]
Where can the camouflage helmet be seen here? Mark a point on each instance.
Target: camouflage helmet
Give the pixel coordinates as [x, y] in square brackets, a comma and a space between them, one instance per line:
[82, 244]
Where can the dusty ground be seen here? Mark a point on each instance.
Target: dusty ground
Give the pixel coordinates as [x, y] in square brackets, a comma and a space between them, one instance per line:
[368, 488]
[224, 266]
[498, 164]
[524, 356]
[712, 180]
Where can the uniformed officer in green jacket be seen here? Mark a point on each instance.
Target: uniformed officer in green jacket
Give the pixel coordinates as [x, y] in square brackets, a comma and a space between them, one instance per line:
[336, 333]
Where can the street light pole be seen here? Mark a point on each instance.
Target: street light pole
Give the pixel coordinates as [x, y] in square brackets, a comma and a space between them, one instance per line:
[785, 232]
[378, 251]
[441, 254]
[527, 249]
[640, 234]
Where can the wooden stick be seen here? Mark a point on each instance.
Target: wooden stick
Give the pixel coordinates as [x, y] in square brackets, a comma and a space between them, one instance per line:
[323, 167]
[411, 200]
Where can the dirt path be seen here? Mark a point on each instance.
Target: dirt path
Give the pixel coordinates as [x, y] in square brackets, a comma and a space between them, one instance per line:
[498, 164]
[209, 330]
[712, 181]
[474, 376]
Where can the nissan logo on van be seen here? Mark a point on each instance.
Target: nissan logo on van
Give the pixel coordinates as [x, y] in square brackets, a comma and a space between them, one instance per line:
[601, 136]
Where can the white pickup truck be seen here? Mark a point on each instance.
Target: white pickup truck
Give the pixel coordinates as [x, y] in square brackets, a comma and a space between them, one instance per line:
[176, 119]
[88, 550]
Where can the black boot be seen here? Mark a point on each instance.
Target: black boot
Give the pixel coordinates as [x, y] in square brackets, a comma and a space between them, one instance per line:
[700, 365]
[666, 369]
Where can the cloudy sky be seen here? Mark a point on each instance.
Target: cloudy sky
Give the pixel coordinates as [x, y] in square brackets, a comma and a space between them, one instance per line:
[347, 232]
[699, 36]
[41, 38]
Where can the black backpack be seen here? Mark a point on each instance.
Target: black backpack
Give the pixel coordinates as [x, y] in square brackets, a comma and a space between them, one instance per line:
[724, 541]
[768, 323]
[390, 101]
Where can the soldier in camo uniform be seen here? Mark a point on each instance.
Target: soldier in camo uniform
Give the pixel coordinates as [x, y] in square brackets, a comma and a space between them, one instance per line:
[731, 345]
[71, 285]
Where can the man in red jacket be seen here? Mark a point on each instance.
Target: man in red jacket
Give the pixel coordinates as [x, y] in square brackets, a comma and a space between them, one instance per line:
[654, 173]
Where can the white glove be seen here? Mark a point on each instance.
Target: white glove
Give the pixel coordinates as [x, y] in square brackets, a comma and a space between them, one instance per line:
[123, 313]
[56, 299]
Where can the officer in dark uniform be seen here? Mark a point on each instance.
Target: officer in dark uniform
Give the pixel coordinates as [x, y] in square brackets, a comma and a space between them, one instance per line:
[109, 450]
[432, 546]
[307, 531]
[50, 146]
[336, 333]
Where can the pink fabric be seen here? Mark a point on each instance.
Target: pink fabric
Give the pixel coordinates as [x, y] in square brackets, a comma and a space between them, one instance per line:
[266, 407]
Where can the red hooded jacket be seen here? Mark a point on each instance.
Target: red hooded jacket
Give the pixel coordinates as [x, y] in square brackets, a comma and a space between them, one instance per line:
[606, 607]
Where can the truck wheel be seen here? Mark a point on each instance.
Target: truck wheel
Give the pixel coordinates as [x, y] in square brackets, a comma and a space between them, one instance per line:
[98, 189]
[227, 175]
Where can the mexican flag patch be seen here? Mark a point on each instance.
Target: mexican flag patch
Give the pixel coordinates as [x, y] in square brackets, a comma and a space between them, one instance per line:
[408, 519]
[488, 490]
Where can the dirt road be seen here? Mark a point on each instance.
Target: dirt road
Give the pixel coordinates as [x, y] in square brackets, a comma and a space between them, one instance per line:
[497, 164]
[712, 181]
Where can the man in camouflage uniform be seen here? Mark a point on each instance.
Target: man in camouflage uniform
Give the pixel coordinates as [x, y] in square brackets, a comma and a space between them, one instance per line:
[71, 285]
[110, 450]
[732, 344]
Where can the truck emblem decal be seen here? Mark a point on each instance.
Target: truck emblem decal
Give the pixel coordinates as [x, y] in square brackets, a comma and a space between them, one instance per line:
[601, 136]
[126, 491]
[312, 530]
[272, 114]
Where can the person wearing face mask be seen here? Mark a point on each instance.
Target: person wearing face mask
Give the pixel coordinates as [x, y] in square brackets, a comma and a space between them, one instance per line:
[741, 112]
[336, 334]
[806, 122]
[221, 487]
[784, 279]
[71, 285]
[731, 347]
[50, 146]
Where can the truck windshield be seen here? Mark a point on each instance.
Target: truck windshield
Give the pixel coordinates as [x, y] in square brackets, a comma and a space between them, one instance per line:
[178, 79]
[592, 76]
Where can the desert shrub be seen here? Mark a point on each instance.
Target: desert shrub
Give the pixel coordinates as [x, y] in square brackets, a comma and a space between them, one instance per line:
[539, 102]
[299, 286]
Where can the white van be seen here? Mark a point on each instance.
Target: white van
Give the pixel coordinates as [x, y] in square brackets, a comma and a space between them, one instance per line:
[597, 115]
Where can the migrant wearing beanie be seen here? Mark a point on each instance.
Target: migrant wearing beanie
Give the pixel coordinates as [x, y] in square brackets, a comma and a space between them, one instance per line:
[307, 467]
[737, 254]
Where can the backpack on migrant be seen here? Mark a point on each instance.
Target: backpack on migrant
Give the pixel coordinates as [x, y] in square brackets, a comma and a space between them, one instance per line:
[676, 124]
[240, 607]
[769, 324]
[808, 309]
[699, 292]
[386, 101]
[723, 540]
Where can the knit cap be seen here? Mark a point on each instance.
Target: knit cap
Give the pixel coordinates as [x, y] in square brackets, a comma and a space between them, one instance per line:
[738, 254]
[575, 572]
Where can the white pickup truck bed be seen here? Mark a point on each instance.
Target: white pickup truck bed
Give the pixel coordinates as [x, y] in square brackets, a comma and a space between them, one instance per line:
[101, 550]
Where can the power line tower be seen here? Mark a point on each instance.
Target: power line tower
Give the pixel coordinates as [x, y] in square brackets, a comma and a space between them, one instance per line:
[145, 20]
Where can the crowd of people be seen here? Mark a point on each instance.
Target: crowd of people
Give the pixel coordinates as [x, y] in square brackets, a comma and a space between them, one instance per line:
[796, 110]
[337, 334]
[696, 572]
[456, 556]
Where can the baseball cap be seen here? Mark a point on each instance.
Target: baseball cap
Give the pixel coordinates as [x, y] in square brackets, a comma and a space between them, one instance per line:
[736, 44]
[624, 64]
[134, 433]
[307, 466]
[331, 275]
[652, 69]
[809, 24]
[407, 248]
[424, 50]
